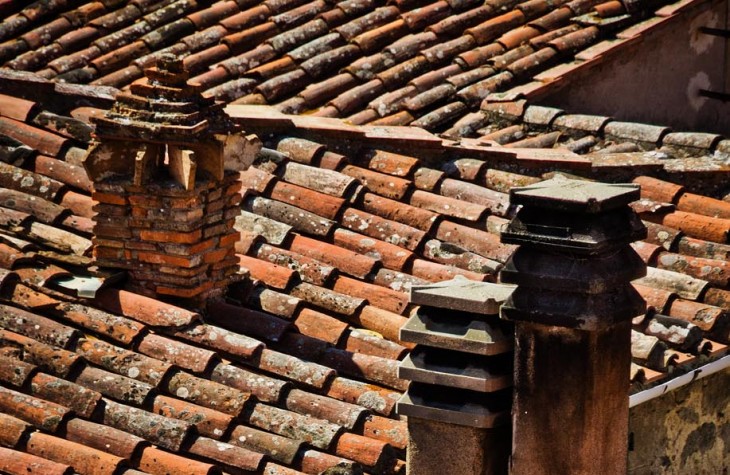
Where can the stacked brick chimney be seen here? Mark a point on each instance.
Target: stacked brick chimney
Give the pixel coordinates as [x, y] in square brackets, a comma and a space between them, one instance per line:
[165, 165]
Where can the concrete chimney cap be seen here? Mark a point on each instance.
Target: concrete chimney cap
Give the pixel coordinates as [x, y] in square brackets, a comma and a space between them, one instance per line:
[462, 294]
[577, 196]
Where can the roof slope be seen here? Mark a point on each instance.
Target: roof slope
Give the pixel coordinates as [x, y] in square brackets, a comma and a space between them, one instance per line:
[298, 368]
[372, 61]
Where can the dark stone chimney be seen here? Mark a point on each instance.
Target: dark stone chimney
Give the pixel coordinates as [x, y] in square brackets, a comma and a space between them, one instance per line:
[165, 164]
[572, 310]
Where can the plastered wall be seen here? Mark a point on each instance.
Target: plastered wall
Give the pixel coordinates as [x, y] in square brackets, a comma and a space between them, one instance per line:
[658, 80]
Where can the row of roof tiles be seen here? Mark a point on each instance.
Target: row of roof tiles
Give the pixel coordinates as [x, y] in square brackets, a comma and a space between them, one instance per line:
[396, 63]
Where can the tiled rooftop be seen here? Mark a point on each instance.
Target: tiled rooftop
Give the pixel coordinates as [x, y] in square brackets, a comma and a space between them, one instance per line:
[371, 61]
[297, 371]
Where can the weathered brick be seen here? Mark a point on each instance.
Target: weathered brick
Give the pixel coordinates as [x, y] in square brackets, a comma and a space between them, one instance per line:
[179, 261]
[109, 198]
[171, 236]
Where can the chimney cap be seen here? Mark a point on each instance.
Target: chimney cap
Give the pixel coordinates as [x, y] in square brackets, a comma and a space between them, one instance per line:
[575, 196]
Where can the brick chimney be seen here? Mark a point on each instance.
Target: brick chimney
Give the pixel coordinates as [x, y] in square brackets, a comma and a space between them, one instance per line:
[572, 310]
[165, 163]
[461, 371]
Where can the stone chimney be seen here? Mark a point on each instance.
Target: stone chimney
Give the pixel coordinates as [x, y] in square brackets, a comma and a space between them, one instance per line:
[165, 163]
[461, 371]
[572, 310]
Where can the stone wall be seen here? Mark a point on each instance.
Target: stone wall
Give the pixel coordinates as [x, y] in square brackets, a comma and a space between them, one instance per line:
[686, 431]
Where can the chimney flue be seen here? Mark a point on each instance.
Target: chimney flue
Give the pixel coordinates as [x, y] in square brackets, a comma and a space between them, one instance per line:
[572, 311]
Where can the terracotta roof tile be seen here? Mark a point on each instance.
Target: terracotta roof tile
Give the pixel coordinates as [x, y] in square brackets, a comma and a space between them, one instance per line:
[391, 255]
[104, 438]
[345, 261]
[361, 366]
[18, 462]
[364, 341]
[157, 461]
[317, 432]
[80, 457]
[378, 399]
[281, 449]
[319, 325]
[265, 388]
[115, 386]
[38, 412]
[12, 430]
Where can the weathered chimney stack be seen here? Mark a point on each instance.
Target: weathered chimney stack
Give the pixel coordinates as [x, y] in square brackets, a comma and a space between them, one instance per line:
[461, 372]
[165, 164]
[572, 310]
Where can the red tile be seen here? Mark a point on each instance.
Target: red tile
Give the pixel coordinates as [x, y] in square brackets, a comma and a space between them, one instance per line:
[402, 212]
[83, 459]
[17, 108]
[383, 229]
[16, 463]
[489, 30]
[393, 432]
[144, 309]
[227, 456]
[715, 271]
[375, 454]
[308, 269]
[314, 462]
[114, 386]
[648, 252]
[435, 272]
[391, 255]
[209, 16]
[327, 299]
[317, 203]
[699, 204]
[322, 407]
[295, 369]
[317, 432]
[209, 422]
[319, 325]
[159, 462]
[12, 431]
[274, 275]
[367, 342]
[177, 353]
[281, 449]
[207, 393]
[448, 206]
[696, 225]
[480, 242]
[381, 321]
[265, 388]
[48, 358]
[104, 438]
[375, 295]
[346, 261]
[45, 142]
[658, 299]
[79, 399]
[699, 248]
[377, 399]
[391, 163]
[700, 314]
[366, 367]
